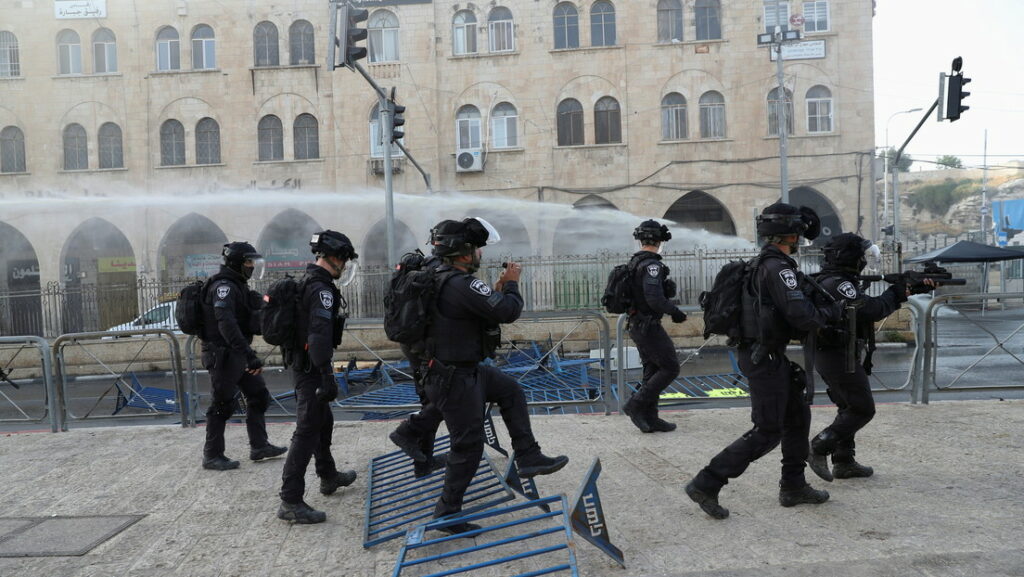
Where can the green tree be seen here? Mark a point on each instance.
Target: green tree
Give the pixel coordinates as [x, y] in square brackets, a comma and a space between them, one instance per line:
[905, 160]
[949, 161]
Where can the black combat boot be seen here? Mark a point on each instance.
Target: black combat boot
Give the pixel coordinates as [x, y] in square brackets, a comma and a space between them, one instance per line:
[422, 469]
[459, 529]
[539, 464]
[409, 445]
[637, 413]
[220, 463]
[708, 502]
[265, 452]
[821, 447]
[851, 470]
[328, 485]
[300, 513]
[658, 425]
[804, 495]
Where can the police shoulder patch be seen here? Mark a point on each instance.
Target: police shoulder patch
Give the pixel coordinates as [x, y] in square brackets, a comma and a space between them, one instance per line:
[223, 291]
[788, 277]
[654, 269]
[326, 299]
[480, 287]
[847, 290]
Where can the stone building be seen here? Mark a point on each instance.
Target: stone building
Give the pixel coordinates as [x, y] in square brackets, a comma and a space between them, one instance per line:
[136, 138]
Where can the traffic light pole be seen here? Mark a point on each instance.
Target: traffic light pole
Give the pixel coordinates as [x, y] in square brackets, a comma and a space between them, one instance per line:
[894, 167]
[783, 121]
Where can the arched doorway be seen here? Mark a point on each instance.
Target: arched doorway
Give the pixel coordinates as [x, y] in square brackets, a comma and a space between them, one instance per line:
[697, 209]
[20, 304]
[830, 223]
[581, 233]
[191, 248]
[284, 242]
[374, 251]
[99, 278]
[515, 241]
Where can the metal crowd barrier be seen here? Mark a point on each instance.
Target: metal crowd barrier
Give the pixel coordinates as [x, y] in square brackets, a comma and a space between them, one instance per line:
[134, 390]
[925, 366]
[49, 400]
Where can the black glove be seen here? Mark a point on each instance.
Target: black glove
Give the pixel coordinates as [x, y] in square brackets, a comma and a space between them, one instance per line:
[834, 311]
[899, 291]
[670, 288]
[678, 316]
[328, 389]
[252, 361]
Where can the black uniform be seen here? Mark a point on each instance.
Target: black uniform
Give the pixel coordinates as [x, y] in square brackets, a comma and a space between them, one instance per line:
[657, 352]
[468, 312]
[778, 410]
[230, 318]
[319, 329]
[851, 392]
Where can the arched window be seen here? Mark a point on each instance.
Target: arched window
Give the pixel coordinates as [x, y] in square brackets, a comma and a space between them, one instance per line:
[376, 141]
[204, 48]
[271, 138]
[306, 134]
[383, 33]
[607, 121]
[504, 126]
[819, 109]
[467, 128]
[9, 60]
[567, 26]
[76, 148]
[264, 45]
[69, 52]
[673, 117]
[172, 143]
[168, 49]
[464, 33]
[712, 115]
[207, 141]
[12, 149]
[670, 21]
[501, 30]
[104, 51]
[775, 111]
[301, 43]
[111, 147]
[570, 122]
[707, 15]
[602, 24]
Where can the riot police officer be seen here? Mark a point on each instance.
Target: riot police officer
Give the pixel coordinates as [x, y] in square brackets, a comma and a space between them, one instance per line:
[652, 290]
[775, 310]
[230, 318]
[846, 255]
[464, 330]
[318, 331]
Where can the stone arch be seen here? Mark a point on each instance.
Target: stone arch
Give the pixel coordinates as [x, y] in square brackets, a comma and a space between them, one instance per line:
[698, 209]
[374, 249]
[99, 275]
[21, 310]
[284, 242]
[578, 233]
[831, 224]
[515, 240]
[191, 248]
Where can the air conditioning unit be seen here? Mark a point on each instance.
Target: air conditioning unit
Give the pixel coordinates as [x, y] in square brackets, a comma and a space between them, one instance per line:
[469, 160]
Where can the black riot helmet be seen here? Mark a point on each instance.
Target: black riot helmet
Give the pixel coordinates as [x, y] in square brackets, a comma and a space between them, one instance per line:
[332, 243]
[651, 232]
[781, 219]
[242, 258]
[451, 238]
[848, 251]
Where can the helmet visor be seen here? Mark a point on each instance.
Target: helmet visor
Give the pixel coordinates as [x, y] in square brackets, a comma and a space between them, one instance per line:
[493, 237]
[873, 256]
[259, 267]
[349, 272]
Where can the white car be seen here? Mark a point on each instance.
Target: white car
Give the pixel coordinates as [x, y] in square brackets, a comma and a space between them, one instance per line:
[158, 317]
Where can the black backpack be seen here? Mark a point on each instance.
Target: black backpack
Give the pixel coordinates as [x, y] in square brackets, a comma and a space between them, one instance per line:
[618, 291]
[280, 311]
[410, 298]
[188, 309]
[723, 304]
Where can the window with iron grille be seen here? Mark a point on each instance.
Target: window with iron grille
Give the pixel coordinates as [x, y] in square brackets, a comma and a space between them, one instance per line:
[10, 64]
[271, 138]
[76, 148]
[172, 143]
[207, 141]
[111, 147]
[12, 149]
[306, 135]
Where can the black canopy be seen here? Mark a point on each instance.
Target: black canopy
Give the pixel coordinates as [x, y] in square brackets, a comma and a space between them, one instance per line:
[967, 251]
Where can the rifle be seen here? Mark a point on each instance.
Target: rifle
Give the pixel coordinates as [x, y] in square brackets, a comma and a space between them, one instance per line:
[915, 280]
[3, 377]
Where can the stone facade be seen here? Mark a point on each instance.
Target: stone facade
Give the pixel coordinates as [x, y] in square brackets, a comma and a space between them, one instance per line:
[50, 212]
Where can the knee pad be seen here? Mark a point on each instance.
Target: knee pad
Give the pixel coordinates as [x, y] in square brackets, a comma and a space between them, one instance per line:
[825, 443]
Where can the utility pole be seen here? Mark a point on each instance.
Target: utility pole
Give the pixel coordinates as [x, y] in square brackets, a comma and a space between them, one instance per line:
[783, 126]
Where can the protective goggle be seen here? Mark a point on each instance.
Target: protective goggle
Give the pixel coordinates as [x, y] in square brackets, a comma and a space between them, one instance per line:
[259, 266]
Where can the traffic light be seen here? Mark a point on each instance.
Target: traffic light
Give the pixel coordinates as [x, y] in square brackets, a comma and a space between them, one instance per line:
[955, 92]
[397, 120]
[349, 34]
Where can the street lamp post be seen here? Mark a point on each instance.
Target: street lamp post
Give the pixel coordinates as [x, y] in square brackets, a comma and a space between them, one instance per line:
[885, 159]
